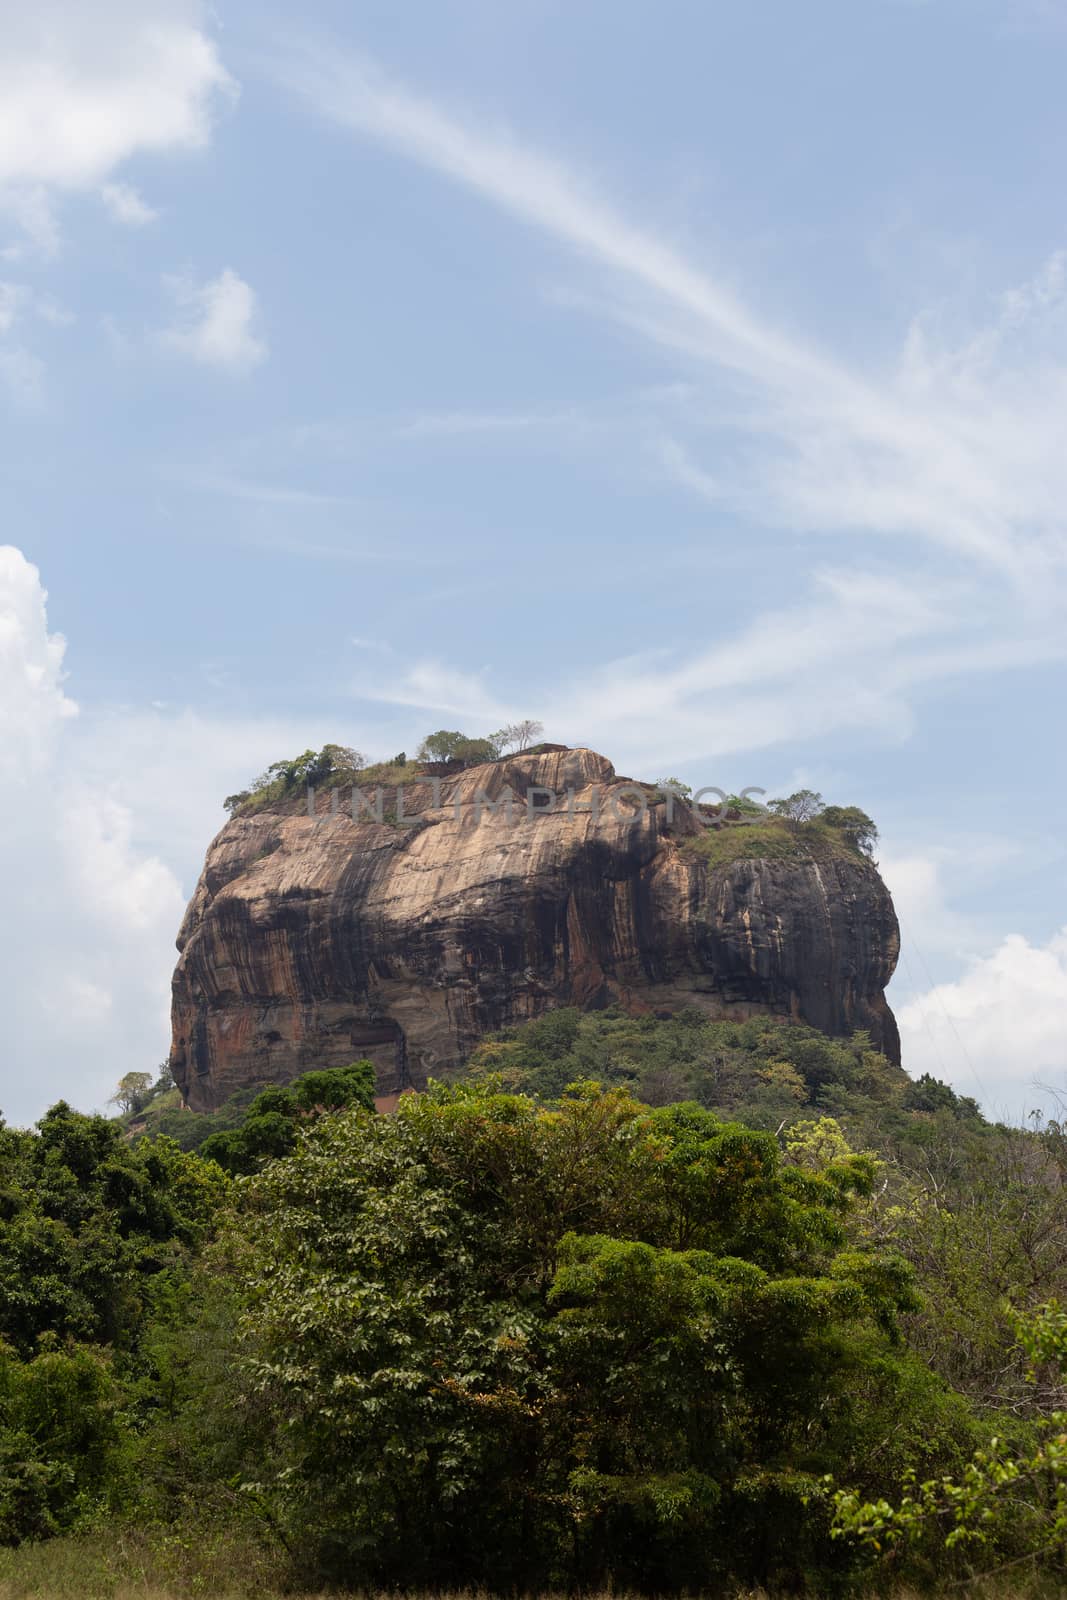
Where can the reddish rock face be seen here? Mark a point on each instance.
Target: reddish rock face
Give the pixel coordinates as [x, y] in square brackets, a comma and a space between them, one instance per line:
[311, 941]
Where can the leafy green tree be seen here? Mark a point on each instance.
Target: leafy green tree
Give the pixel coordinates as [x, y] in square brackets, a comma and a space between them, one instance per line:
[132, 1091]
[927, 1093]
[803, 806]
[164, 1079]
[311, 767]
[473, 752]
[86, 1220]
[518, 1345]
[63, 1456]
[341, 758]
[453, 746]
[90, 1225]
[984, 1222]
[441, 746]
[761, 1071]
[855, 824]
[1003, 1502]
[276, 1114]
[675, 786]
[744, 805]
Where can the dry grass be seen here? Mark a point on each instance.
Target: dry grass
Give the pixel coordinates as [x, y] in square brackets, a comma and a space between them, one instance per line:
[200, 1562]
[118, 1565]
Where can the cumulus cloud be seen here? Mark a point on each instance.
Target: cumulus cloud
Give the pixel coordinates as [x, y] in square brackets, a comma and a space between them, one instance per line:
[1000, 1031]
[88, 915]
[33, 703]
[125, 205]
[217, 322]
[83, 88]
[104, 818]
[927, 882]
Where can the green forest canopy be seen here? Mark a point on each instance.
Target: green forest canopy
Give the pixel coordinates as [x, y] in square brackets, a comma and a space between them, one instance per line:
[532, 1331]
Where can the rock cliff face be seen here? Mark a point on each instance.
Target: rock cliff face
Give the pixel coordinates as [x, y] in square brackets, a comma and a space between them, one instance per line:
[313, 940]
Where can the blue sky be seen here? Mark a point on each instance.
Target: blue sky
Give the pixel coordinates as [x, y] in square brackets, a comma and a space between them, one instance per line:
[693, 378]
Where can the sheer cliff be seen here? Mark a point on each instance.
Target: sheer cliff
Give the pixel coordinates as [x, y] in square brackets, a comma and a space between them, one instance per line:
[315, 939]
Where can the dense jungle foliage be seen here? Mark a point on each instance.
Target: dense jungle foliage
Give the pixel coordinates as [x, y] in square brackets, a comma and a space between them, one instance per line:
[653, 1304]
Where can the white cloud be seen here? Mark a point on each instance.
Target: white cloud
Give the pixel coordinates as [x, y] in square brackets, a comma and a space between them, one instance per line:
[33, 704]
[217, 323]
[87, 915]
[125, 205]
[104, 818]
[84, 88]
[921, 896]
[1000, 1031]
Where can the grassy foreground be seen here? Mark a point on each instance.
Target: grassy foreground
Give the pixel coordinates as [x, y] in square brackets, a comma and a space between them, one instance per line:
[119, 1563]
[168, 1565]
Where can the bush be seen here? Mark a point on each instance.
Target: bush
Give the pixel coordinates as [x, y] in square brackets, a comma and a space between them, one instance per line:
[276, 1115]
[284, 778]
[61, 1449]
[855, 824]
[511, 1346]
[88, 1220]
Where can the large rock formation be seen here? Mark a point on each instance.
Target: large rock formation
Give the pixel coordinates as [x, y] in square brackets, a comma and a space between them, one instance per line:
[312, 940]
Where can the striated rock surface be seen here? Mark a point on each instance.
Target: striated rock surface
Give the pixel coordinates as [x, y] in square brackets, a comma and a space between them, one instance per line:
[312, 940]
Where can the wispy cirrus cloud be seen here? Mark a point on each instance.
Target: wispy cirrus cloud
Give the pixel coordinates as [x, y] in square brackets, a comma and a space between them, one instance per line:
[764, 684]
[934, 448]
[255, 490]
[478, 424]
[952, 453]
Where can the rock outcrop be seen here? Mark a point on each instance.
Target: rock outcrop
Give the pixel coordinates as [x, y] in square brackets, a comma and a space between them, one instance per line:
[312, 940]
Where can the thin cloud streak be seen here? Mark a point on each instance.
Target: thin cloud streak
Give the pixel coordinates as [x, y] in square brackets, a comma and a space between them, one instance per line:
[814, 404]
[767, 685]
[451, 424]
[258, 493]
[958, 447]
